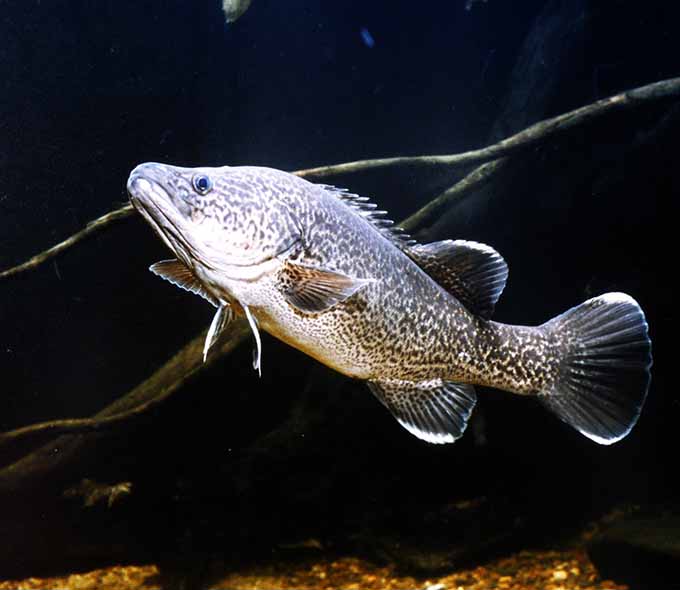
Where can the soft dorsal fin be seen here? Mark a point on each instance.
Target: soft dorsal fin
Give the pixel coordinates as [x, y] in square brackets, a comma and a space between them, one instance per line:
[314, 290]
[435, 411]
[473, 273]
[179, 275]
[369, 211]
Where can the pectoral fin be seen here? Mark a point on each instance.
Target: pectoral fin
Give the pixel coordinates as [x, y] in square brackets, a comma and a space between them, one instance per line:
[179, 275]
[314, 290]
[435, 411]
[224, 315]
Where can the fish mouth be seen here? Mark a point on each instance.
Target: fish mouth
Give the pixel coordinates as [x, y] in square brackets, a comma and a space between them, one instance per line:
[155, 204]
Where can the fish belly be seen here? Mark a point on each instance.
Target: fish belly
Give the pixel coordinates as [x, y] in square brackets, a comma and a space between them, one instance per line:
[322, 337]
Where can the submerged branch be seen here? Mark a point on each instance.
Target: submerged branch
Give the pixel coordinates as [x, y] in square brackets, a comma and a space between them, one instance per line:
[537, 133]
[78, 425]
[90, 228]
[479, 177]
[182, 367]
[143, 398]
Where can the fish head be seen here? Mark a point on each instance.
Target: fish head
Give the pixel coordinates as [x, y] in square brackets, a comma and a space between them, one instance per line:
[222, 221]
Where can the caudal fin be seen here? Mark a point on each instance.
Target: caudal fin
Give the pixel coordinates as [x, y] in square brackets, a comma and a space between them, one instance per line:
[604, 375]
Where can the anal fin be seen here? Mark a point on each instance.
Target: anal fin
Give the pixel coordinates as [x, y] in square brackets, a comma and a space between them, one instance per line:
[435, 411]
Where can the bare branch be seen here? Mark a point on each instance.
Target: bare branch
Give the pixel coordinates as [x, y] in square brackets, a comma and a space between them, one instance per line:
[537, 133]
[91, 228]
[182, 367]
[473, 181]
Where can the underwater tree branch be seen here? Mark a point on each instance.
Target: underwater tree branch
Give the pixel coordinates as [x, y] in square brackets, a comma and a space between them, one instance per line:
[165, 381]
[473, 181]
[182, 365]
[91, 228]
[77, 425]
[537, 133]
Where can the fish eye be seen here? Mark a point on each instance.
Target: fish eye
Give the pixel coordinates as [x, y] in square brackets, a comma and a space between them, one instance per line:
[202, 184]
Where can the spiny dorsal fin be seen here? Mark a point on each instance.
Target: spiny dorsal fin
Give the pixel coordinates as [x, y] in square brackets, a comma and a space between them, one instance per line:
[369, 211]
[313, 290]
[473, 273]
[179, 275]
[435, 411]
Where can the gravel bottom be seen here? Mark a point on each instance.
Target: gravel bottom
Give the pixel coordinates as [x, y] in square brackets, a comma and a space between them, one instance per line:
[527, 570]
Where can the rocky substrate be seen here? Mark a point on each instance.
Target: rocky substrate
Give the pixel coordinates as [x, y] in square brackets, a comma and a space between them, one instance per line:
[527, 570]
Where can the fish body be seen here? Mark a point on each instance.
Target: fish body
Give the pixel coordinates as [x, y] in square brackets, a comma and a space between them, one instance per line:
[322, 270]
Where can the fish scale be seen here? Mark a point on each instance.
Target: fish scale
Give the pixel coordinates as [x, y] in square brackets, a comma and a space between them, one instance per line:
[324, 270]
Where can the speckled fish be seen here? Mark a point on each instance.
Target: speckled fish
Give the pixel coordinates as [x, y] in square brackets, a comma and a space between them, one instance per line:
[322, 270]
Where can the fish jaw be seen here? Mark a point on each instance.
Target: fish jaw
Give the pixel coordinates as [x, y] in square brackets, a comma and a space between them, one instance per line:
[158, 207]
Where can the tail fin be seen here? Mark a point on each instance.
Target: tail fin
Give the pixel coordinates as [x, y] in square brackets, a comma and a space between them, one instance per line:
[604, 375]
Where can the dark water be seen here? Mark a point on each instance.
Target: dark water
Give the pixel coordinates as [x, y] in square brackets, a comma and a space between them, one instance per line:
[89, 90]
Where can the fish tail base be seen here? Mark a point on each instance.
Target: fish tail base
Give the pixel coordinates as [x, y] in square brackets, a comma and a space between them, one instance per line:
[604, 374]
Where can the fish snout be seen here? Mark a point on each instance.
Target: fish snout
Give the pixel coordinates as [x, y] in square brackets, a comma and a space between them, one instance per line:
[159, 186]
[142, 176]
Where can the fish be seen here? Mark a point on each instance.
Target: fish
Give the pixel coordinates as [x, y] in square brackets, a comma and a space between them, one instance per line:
[234, 9]
[327, 272]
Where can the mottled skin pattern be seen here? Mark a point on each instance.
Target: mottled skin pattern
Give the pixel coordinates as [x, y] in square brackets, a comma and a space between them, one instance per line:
[400, 326]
